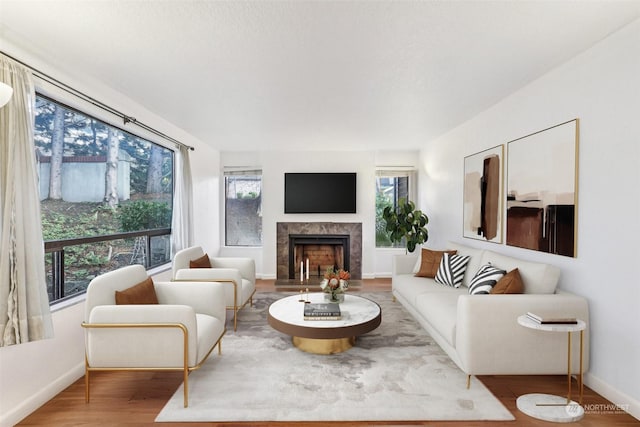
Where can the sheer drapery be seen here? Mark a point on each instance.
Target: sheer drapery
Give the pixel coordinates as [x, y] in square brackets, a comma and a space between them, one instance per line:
[24, 304]
[182, 221]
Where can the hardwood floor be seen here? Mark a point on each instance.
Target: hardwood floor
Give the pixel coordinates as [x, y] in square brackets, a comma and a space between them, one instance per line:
[135, 398]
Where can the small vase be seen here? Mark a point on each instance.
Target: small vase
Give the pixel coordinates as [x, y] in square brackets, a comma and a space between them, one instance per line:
[334, 297]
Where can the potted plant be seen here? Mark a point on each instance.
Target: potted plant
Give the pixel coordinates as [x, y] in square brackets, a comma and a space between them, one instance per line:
[406, 222]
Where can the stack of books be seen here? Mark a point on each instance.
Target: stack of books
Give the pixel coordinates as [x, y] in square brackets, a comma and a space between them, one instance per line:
[551, 319]
[322, 311]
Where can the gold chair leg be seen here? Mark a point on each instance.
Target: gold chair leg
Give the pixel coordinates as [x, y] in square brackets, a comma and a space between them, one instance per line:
[468, 381]
[219, 347]
[186, 387]
[86, 385]
[235, 318]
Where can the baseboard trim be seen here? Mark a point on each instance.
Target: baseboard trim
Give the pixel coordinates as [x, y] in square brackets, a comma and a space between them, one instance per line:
[20, 412]
[621, 400]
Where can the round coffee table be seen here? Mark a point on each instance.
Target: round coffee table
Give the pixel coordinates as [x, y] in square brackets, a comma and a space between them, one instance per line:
[359, 316]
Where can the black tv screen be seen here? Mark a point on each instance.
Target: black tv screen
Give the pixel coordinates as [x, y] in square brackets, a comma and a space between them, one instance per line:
[320, 192]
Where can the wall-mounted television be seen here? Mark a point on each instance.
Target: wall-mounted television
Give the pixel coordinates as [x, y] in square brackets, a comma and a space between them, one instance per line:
[332, 192]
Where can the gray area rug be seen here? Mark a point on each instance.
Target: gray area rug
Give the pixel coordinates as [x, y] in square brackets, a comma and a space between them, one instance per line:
[394, 373]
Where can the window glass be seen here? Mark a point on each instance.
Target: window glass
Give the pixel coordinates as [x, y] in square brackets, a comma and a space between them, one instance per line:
[391, 186]
[243, 208]
[97, 181]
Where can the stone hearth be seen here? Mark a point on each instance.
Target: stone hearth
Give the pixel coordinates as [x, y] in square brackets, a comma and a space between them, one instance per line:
[285, 230]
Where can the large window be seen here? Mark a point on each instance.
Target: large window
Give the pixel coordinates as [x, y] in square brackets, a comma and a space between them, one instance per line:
[106, 197]
[391, 186]
[243, 208]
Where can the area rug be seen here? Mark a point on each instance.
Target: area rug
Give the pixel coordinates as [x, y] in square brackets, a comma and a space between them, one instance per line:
[394, 373]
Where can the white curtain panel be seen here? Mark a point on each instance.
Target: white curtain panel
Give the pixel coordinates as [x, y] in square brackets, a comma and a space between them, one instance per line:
[24, 304]
[182, 223]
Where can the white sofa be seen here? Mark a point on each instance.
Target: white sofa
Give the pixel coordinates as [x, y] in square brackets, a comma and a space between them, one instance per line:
[480, 333]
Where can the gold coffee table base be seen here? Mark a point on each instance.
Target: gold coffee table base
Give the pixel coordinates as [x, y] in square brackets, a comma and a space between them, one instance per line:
[324, 346]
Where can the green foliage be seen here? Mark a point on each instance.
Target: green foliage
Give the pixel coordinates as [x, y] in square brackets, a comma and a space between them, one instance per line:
[250, 195]
[75, 221]
[58, 226]
[144, 215]
[382, 236]
[406, 222]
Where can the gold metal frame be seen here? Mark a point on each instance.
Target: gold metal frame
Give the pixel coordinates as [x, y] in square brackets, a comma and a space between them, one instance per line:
[235, 307]
[185, 368]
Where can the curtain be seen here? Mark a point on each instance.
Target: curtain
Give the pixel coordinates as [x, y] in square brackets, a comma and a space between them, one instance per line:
[24, 304]
[182, 220]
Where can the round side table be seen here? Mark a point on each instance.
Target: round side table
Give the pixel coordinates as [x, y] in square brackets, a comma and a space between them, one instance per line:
[549, 407]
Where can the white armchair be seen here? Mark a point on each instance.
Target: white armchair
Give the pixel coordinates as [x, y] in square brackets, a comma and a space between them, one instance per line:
[238, 274]
[178, 333]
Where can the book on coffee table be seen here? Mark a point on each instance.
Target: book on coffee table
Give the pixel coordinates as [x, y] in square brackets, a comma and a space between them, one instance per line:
[322, 311]
[550, 319]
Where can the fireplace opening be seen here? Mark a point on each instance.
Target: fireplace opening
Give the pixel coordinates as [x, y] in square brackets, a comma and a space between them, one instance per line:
[321, 251]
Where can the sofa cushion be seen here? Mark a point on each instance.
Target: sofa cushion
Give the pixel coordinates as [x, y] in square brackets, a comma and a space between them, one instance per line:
[409, 287]
[511, 283]
[538, 278]
[429, 261]
[439, 309]
[474, 260]
[142, 293]
[485, 279]
[451, 270]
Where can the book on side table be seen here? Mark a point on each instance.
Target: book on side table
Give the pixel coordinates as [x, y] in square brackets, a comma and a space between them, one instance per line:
[322, 311]
[551, 319]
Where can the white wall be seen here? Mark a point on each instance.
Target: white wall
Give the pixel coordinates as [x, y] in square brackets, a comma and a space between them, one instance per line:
[601, 87]
[275, 164]
[33, 373]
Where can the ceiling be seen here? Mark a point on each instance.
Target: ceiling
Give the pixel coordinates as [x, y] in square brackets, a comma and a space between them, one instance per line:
[312, 75]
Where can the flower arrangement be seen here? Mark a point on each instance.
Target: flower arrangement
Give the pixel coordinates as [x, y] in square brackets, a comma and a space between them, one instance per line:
[335, 283]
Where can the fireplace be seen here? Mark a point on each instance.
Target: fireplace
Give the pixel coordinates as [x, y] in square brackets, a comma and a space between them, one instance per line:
[320, 251]
[337, 244]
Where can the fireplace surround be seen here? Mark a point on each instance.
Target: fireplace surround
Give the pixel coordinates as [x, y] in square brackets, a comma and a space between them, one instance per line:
[339, 234]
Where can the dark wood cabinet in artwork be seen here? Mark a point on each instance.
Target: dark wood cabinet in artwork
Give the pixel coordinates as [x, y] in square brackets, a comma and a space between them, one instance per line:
[551, 229]
[524, 227]
[560, 230]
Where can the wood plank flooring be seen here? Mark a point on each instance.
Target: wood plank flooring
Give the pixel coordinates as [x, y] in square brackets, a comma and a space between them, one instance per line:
[135, 398]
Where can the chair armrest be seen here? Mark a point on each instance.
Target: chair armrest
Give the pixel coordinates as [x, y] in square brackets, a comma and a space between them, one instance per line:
[403, 264]
[490, 340]
[246, 266]
[144, 313]
[205, 298]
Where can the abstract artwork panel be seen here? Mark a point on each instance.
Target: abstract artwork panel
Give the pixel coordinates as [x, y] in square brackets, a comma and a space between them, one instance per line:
[483, 181]
[542, 190]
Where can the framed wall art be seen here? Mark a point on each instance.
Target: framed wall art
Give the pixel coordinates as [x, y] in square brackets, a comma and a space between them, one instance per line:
[542, 190]
[483, 195]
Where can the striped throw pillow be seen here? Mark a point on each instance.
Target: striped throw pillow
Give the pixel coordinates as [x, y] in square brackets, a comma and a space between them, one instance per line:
[451, 270]
[485, 279]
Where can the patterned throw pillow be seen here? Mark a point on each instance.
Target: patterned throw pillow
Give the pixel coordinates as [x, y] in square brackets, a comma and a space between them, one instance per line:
[485, 279]
[451, 270]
